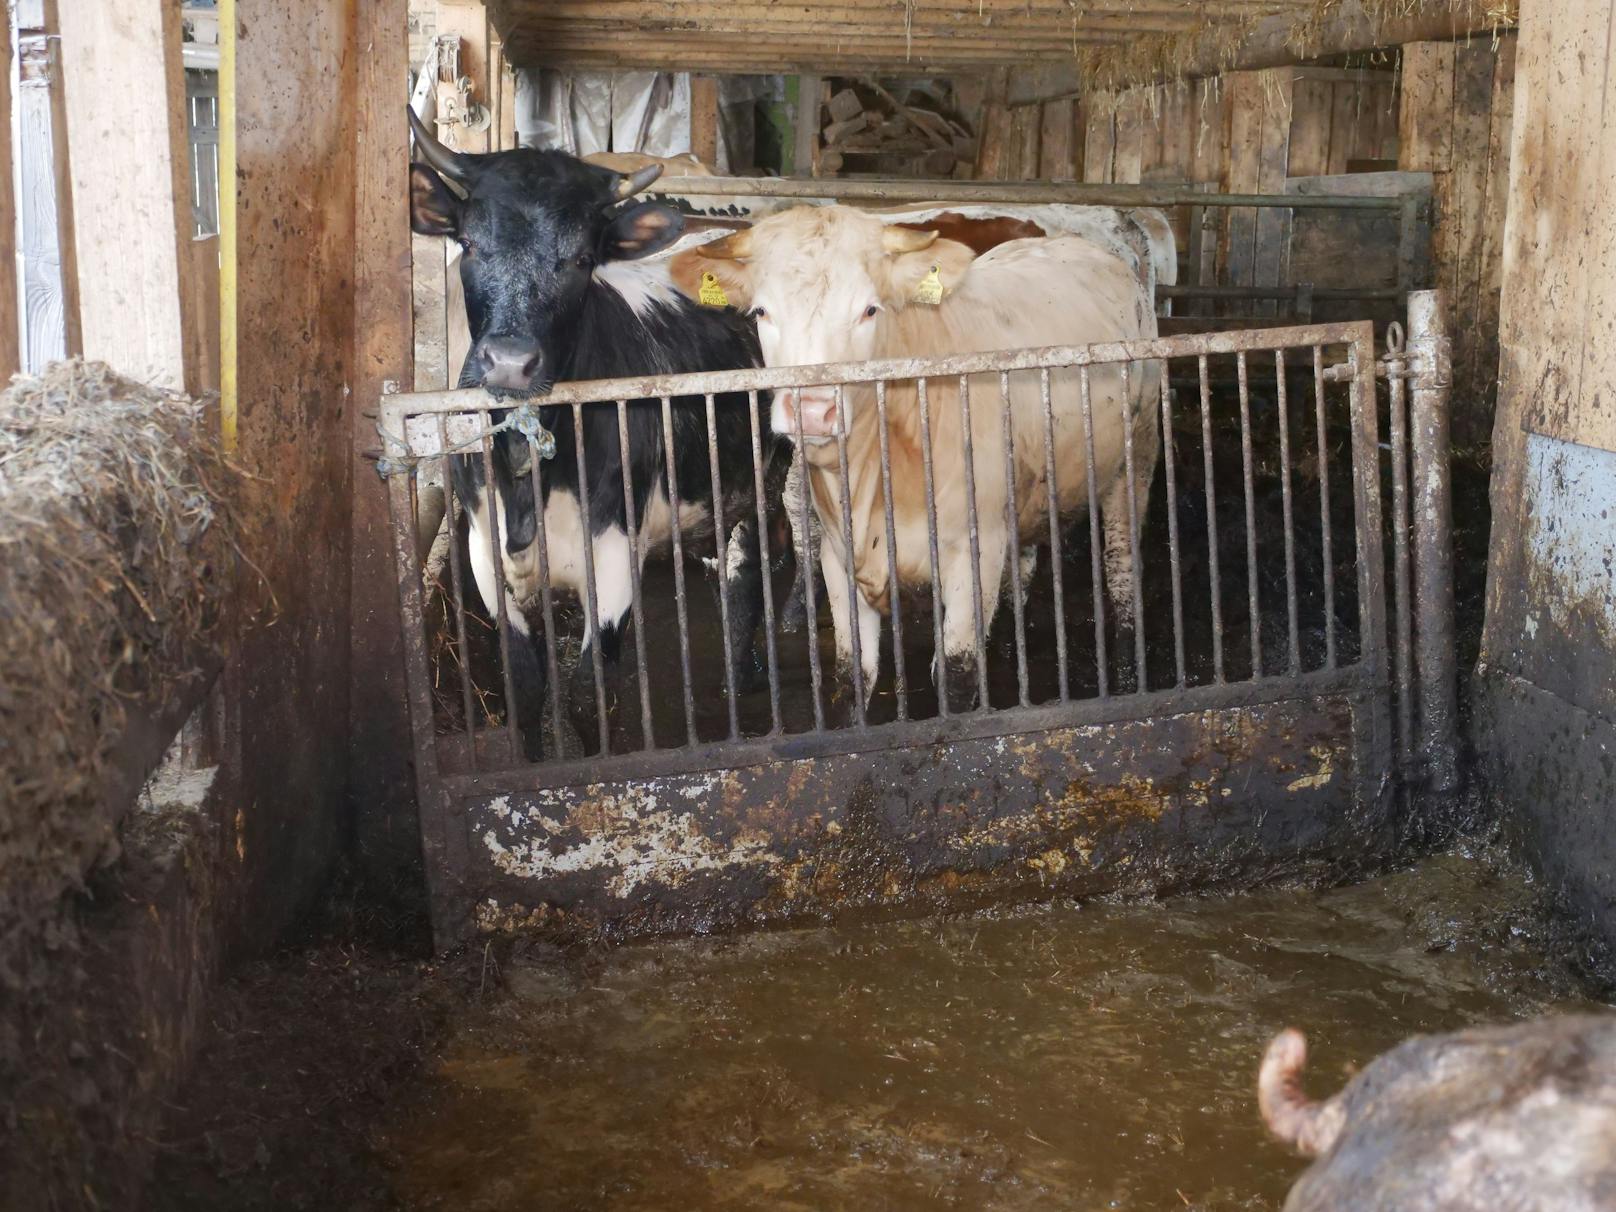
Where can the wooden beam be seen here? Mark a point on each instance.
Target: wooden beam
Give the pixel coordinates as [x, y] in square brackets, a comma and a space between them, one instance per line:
[1272, 41]
[704, 119]
[130, 166]
[806, 121]
[381, 776]
[10, 329]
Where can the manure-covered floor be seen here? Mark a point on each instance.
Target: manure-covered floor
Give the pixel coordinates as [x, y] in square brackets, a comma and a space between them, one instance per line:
[1059, 1057]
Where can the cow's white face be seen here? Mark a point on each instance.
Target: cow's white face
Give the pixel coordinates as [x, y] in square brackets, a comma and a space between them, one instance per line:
[821, 283]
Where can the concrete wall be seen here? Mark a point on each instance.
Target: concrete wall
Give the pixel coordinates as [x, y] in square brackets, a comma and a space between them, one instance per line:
[1546, 683]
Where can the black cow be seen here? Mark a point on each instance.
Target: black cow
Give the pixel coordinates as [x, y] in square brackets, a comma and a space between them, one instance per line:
[553, 294]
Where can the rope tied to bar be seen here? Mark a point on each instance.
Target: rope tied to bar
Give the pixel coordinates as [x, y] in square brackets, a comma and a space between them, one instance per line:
[524, 419]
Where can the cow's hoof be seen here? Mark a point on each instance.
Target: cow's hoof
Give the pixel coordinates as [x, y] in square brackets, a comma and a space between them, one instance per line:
[963, 692]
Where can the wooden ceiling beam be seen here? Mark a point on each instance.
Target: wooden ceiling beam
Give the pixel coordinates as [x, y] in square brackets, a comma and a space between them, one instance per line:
[1271, 41]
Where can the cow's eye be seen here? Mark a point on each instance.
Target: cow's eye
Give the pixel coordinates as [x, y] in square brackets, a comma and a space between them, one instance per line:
[583, 261]
[465, 243]
[869, 312]
[758, 313]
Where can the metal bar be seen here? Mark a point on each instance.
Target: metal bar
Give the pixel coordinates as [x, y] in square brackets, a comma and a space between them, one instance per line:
[1102, 662]
[552, 660]
[475, 399]
[895, 607]
[850, 555]
[630, 515]
[1211, 523]
[1341, 294]
[1403, 605]
[919, 734]
[1012, 530]
[1174, 561]
[940, 665]
[457, 588]
[678, 567]
[591, 599]
[1290, 521]
[1052, 492]
[762, 503]
[1251, 521]
[974, 536]
[513, 736]
[951, 191]
[805, 563]
[1136, 572]
[1324, 508]
[721, 551]
[1433, 540]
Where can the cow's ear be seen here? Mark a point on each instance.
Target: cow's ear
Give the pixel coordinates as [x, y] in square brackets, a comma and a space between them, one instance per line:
[710, 276]
[640, 231]
[926, 276]
[434, 209]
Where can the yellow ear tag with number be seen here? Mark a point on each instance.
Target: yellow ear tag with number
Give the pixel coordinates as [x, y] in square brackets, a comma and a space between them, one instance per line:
[711, 293]
[930, 288]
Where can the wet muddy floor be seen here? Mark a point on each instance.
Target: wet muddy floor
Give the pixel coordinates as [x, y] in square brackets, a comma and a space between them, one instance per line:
[1062, 1057]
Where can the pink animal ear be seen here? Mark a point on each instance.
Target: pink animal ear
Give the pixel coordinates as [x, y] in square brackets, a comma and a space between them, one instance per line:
[928, 275]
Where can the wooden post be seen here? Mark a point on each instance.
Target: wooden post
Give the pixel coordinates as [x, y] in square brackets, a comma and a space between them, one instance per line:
[382, 787]
[704, 119]
[10, 330]
[805, 156]
[1055, 142]
[130, 166]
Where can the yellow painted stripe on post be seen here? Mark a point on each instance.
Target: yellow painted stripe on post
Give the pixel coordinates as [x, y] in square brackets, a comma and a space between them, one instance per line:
[228, 392]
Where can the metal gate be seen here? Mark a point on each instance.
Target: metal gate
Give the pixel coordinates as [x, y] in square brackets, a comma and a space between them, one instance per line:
[1240, 721]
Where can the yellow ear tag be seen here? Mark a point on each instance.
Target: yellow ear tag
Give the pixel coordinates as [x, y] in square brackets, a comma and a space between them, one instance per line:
[711, 293]
[930, 288]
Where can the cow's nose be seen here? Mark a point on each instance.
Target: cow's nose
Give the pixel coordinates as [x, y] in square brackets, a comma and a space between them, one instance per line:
[814, 409]
[509, 362]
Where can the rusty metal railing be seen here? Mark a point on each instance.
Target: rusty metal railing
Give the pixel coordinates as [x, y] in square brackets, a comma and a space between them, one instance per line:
[1185, 635]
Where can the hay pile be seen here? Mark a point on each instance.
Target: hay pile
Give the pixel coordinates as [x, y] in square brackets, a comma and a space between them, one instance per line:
[113, 558]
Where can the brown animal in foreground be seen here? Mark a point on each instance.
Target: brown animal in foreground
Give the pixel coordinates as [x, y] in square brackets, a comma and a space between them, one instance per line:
[1518, 1118]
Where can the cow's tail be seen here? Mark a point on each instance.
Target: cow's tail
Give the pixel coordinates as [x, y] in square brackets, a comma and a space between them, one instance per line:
[1309, 1127]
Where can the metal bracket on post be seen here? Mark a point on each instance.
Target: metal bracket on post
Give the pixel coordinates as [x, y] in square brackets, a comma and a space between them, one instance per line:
[1431, 364]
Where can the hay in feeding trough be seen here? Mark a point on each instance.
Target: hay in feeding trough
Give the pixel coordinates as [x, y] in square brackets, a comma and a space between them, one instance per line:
[113, 559]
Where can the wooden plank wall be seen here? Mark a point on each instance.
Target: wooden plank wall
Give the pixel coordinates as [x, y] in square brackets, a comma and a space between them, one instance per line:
[1244, 132]
[1454, 119]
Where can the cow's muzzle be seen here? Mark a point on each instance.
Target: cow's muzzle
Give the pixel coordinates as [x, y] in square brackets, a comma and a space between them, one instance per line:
[814, 408]
[509, 363]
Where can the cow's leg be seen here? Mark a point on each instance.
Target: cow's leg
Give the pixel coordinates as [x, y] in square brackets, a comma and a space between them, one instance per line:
[1124, 530]
[743, 585]
[959, 618]
[794, 614]
[529, 678]
[614, 598]
[1029, 569]
[842, 615]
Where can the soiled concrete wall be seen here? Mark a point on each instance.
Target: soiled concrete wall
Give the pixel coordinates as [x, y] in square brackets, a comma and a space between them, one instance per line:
[1546, 684]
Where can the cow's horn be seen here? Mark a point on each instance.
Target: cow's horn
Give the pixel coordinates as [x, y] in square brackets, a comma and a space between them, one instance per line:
[735, 247]
[906, 239]
[628, 186]
[455, 165]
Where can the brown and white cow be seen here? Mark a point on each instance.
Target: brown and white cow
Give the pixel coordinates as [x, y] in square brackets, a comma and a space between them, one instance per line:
[832, 284]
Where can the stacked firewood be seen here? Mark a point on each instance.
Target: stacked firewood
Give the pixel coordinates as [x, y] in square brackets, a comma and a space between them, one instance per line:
[869, 129]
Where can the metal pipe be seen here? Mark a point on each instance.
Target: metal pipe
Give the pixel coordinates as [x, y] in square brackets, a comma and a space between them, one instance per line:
[1340, 294]
[1433, 538]
[1102, 664]
[850, 554]
[1135, 568]
[805, 564]
[1173, 555]
[678, 567]
[597, 665]
[762, 503]
[1293, 631]
[940, 665]
[894, 605]
[944, 193]
[1052, 494]
[1403, 606]
[1324, 507]
[721, 553]
[1012, 530]
[974, 536]
[458, 589]
[491, 502]
[630, 516]
[1253, 603]
[1211, 521]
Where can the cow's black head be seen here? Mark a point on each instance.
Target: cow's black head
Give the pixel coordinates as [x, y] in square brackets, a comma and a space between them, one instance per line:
[534, 225]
